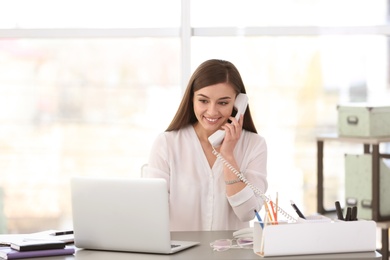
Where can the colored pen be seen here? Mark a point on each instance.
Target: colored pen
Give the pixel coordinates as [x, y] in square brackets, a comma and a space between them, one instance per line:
[348, 215]
[297, 210]
[259, 219]
[354, 213]
[61, 233]
[339, 211]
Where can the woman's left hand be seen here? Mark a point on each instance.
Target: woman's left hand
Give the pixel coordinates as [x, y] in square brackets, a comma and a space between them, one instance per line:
[233, 132]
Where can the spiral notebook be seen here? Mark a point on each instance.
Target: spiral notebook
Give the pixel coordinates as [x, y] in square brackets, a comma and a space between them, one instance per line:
[123, 214]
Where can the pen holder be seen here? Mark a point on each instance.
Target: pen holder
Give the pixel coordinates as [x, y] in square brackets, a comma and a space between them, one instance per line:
[308, 237]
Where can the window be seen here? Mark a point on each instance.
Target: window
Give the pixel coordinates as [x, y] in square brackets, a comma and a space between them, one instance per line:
[89, 14]
[288, 13]
[294, 85]
[78, 107]
[88, 95]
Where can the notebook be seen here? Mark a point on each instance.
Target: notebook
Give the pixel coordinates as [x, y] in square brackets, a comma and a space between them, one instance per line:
[123, 214]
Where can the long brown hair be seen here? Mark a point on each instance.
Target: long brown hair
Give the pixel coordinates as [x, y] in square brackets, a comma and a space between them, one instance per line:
[209, 73]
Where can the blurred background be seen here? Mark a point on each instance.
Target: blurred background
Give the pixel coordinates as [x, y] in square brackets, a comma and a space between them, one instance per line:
[86, 86]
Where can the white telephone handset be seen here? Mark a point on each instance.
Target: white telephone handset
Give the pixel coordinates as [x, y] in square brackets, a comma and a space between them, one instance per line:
[240, 104]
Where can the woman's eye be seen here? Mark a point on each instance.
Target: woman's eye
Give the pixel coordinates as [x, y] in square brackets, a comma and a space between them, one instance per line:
[223, 103]
[204, 101]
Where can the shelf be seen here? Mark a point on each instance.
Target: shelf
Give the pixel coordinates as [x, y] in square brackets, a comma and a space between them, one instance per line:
[371, 146]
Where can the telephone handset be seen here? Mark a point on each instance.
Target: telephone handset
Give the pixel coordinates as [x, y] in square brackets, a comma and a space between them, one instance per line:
[240, 105]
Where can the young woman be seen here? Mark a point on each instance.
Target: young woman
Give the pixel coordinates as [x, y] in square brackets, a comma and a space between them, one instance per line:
[204, 194]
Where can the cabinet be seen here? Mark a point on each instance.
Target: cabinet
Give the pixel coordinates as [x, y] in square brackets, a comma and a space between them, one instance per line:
[370, 145]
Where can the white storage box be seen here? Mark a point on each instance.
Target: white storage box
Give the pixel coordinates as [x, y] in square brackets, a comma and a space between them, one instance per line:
[312, 238]
[363, 120]
[358, 185]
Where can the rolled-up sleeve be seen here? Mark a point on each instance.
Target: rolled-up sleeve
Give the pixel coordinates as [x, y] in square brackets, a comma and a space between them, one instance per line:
[255, 158]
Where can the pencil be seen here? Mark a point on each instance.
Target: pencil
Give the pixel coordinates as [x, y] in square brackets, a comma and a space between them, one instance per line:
[273, 209]
[268, 211]
[277, 206]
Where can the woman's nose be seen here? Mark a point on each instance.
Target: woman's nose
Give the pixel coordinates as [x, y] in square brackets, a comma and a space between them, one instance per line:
[212, 110]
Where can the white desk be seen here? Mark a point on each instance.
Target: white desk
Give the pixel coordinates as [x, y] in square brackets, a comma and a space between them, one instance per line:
[203, 251]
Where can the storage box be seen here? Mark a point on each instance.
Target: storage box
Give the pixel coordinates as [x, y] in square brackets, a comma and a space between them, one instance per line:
[363, 120]
[309, 238]
[358, 185]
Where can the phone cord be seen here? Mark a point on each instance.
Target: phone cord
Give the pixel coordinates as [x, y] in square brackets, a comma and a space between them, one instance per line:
[255, 189]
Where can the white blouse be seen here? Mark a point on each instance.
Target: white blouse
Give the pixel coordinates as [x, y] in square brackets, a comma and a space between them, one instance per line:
[197, 195]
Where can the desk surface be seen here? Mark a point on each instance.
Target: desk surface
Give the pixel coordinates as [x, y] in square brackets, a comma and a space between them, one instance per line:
[203, 251]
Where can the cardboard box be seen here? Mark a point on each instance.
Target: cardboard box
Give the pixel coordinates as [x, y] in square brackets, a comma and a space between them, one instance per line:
[358, 185]
[363, 120]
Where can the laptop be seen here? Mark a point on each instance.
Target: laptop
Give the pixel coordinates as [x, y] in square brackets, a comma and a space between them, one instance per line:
[123, 214]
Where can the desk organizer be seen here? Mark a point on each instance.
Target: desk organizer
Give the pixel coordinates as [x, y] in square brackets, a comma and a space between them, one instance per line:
[307, 238]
